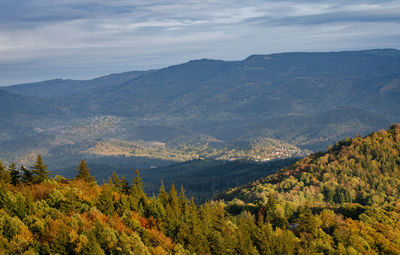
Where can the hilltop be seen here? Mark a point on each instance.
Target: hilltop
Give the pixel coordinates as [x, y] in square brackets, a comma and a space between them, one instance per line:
[362, 170]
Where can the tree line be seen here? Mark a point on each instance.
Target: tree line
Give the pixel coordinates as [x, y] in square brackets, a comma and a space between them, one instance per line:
[78, 216]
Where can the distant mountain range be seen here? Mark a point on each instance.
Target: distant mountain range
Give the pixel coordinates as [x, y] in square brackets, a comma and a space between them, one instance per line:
[308, 100]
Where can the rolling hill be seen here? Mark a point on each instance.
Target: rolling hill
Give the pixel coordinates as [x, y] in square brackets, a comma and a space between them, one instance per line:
[362, 170]
[63, 88]
[309, 100]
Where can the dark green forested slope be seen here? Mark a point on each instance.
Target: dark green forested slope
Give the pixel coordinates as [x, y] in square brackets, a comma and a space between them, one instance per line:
[202, 179]
[363, 170]
[42, 215]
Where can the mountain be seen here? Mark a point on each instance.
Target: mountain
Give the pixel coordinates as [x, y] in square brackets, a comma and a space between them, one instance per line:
[308, 100]
[259, 94]
[63, 88]
[15, 105]
[362, 170]
[18, 114]
[290, 83]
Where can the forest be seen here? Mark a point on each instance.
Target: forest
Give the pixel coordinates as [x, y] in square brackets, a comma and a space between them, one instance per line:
[342, 201]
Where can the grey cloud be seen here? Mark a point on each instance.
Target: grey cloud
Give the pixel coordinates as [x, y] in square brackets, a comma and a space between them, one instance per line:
[341, 17]
[85, 38]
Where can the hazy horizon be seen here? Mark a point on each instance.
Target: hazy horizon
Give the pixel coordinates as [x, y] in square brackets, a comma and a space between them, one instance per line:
[106, 74]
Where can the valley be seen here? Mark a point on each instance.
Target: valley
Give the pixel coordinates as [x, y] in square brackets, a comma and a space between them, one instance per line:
[262, 108]
[345, 200]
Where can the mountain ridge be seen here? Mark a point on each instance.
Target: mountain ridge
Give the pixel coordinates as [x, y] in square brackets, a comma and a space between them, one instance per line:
[309, 100]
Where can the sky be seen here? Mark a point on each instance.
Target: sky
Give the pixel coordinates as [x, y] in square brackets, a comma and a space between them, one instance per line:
[83, 39]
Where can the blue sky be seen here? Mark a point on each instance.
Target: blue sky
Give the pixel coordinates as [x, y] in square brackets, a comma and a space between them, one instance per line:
[81, 39]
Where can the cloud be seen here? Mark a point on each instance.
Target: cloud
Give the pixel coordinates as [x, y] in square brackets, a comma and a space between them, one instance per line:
[42, 39]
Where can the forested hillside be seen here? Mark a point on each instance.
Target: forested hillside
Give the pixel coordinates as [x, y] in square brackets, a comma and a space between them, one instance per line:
[307, 208]
[203, 179]
[362, 170]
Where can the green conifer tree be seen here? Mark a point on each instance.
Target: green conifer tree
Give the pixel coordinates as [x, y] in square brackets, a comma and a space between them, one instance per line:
[183, 201]
[163, 195]
[125, 185]
[14, 174]
[137, 195]
[306, 221]
[136, 190]
[40, 170]
[137, 184]
[105, 200]
[84, 172]
[116, 180]
[70, 203]
[27, 175]
[173, 197]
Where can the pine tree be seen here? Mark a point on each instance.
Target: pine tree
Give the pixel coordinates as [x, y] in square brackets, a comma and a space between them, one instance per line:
[116, 180]
[137, 195]
[270, 208]
[27, 175]
[125, 185]
[84, 172]
[183, 201]
[70, 203]
[137, 186]
[40, 170]
[14, 174]
[173, 197]
[307, 222]
[105, 200]
[163, 195]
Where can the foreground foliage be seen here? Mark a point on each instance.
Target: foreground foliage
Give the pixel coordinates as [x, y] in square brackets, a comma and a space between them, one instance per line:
[61, 216]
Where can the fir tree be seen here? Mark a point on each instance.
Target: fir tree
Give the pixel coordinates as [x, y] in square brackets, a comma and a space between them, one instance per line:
[173, 197]
[105, 200]
[138, 197]
[70, 203]
[84, 173]
[40, 170]
[137, 186]
[27, 175]
[116, 180]
[307, 221]
[163, 195]
[125, 185]
[14, 174]
[183, 201]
